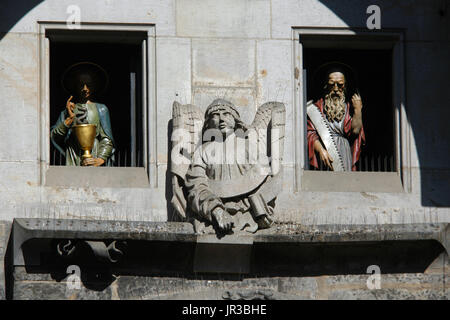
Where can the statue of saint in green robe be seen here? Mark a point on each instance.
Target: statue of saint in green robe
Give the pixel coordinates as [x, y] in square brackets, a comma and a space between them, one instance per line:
[65, 141]
[83, 80]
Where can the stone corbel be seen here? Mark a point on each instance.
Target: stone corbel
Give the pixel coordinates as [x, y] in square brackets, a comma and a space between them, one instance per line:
[111, 253]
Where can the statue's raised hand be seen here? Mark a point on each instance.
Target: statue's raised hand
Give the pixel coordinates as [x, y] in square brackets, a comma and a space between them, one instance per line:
[357, 116]
[69, 107]
[357, 102]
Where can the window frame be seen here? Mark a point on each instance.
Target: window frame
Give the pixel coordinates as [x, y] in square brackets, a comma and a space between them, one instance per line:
[149, 169]
[351, 38]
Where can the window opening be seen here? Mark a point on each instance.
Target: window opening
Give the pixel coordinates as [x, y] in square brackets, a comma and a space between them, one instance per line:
[123, 64]
[373, 70]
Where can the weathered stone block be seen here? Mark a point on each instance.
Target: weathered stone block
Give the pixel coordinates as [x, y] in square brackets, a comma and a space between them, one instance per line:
[85, 177]
[52, 290]
[389, 280]
[162, 13]
[272, 283]
[18, 91]
[213, 255]
[235, 18]
[133, 288]
[306, 288]
[274, 83]
[243, 99]
[290, 13]
[174, 84]
[223, 62]
[17, 176]
[387, 294]
[197, 287]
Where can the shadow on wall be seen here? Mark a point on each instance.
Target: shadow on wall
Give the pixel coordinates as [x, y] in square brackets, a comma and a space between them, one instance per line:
[173, 258]
[427, 109]
[11, 11]
[425, 77]
[171, 216]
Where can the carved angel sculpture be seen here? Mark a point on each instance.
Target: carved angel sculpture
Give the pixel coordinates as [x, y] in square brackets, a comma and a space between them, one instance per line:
[227, 174]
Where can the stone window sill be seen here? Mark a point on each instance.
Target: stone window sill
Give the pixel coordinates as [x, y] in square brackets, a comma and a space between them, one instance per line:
[387, 182]
[102, 177]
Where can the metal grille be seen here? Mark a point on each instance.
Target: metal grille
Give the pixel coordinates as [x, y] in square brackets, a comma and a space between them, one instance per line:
[122, 159]
[368, 163]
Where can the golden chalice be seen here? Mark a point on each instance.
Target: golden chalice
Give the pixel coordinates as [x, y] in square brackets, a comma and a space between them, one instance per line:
[85, 134]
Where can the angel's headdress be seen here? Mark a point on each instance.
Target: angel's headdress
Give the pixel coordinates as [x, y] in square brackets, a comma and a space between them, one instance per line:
[221, 103]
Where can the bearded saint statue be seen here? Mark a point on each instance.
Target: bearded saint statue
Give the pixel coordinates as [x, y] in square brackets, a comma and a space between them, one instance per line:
[334, 135]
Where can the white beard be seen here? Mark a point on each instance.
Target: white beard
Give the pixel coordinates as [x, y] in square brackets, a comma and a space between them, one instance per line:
[334, 107]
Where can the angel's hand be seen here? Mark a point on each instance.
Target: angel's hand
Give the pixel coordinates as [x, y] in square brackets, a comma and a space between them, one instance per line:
[223, 219]
[232, 207]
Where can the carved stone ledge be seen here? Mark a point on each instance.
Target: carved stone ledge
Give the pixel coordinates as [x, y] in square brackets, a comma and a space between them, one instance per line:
[207, 253]
[93, 230]
[173, 249]
[257, 294]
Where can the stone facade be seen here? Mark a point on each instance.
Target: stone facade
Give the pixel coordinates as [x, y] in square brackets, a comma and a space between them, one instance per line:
[244, 51]
[350, 287]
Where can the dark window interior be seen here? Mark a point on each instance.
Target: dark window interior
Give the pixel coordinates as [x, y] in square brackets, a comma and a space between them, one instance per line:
[374, 82]
[122, 62]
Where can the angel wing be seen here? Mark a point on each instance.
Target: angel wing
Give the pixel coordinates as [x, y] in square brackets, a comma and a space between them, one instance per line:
[186, 136]
[269, 124]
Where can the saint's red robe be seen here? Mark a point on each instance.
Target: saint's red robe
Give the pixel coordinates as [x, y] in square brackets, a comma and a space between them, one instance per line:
[357, 142]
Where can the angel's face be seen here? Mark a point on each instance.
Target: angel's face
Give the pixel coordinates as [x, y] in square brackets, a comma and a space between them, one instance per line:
[222, 119]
